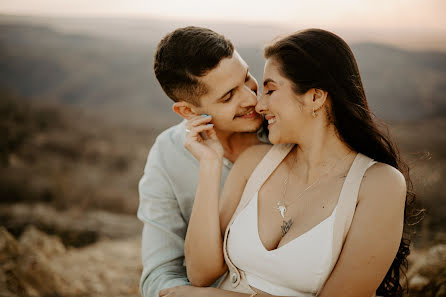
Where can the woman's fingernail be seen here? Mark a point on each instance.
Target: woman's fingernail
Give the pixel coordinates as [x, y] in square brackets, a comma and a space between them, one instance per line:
[210, 124]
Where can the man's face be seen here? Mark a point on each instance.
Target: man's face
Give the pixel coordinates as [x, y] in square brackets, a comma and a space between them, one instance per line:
[232, 96]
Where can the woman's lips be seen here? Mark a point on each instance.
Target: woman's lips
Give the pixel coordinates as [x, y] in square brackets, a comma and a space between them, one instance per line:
[271, 120]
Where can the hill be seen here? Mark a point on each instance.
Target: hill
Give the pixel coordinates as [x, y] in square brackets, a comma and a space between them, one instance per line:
[115, 78]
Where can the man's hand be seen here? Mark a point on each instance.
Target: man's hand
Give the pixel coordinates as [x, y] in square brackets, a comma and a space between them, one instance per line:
[201, 139]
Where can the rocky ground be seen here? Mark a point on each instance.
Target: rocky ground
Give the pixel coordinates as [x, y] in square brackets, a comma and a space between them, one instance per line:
[427, 272]
[40, 265]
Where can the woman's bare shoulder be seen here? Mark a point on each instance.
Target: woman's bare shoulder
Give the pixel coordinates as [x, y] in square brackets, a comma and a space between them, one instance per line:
[381, 182]
[251, 157]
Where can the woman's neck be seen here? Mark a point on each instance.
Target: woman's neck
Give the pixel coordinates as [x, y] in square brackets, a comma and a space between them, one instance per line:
[319, 151]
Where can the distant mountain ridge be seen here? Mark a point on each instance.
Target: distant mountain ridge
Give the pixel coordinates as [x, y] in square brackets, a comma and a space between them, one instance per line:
[116, 79]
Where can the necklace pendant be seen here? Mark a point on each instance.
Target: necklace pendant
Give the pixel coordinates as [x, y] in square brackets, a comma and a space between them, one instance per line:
[282, 208]
[286, 226]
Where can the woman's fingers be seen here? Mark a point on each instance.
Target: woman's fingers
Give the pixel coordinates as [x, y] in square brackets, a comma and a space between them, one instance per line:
[212, 134]
[197, 121]
[195, 132]
[201, 139]
[196, 125]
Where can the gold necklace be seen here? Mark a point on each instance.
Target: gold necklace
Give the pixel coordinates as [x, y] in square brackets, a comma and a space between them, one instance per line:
[282, 207]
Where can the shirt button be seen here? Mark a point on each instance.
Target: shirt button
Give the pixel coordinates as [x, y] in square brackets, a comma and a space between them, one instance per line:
[234, 277]
[227, 163]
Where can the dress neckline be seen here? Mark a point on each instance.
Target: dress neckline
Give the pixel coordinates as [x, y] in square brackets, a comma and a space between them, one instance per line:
[256, 209]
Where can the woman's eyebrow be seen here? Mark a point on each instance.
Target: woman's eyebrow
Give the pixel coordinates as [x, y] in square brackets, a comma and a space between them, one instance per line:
[248, 75]
[268, 80]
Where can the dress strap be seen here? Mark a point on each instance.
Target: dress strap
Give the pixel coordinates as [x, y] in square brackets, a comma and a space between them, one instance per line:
[349, 193]
[260, 174]
[348, 199]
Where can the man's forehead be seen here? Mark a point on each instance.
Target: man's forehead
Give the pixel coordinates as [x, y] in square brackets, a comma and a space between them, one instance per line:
[226, 75]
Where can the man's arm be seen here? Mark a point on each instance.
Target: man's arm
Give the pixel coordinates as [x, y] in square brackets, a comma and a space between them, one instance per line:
[164, 230]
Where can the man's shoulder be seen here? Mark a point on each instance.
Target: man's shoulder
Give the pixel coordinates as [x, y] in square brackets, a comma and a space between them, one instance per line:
[169, 147]
[172, 136]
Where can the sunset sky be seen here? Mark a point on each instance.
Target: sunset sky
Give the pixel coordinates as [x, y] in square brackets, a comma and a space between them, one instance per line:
[371, 14]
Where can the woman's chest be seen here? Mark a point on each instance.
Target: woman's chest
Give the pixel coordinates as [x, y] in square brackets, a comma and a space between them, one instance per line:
[300, 264]
[286, 215]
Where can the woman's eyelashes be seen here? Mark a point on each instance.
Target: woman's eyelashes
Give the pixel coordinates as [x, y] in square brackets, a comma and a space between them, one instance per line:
[269, 92]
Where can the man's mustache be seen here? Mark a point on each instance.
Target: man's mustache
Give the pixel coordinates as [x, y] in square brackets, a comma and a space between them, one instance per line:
[245, 112]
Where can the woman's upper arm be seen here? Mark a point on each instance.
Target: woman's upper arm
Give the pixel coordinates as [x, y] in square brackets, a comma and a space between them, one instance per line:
[236, 181]
[374, 236]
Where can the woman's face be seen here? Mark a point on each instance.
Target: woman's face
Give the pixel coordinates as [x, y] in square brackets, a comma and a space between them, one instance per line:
[286, 112]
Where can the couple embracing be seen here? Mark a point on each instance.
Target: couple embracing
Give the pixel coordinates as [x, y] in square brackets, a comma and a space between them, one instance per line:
[315, 208]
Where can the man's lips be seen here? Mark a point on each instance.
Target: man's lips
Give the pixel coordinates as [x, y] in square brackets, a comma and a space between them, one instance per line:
[249, 115]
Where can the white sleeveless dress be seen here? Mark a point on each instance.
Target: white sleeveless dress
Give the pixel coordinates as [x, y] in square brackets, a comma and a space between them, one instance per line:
[301, 266]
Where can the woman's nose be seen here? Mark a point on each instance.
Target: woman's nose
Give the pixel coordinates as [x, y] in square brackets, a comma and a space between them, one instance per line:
[261, 105]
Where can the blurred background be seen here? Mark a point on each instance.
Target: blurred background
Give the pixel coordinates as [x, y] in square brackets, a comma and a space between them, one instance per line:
[80, 108]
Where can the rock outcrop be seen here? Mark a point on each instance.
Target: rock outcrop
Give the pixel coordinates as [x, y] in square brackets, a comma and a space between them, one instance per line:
[25, 265]
[427, 273]
[39, 265]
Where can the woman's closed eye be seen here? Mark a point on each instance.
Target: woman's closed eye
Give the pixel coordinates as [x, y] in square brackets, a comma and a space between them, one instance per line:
[269, 92]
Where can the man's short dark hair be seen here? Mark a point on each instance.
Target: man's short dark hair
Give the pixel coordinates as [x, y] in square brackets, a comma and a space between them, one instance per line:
[185, 55]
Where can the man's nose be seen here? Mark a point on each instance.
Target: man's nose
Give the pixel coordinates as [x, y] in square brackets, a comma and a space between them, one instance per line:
[249, 97]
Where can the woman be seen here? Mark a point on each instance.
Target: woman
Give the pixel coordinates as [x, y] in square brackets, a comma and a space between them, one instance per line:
[330, 171]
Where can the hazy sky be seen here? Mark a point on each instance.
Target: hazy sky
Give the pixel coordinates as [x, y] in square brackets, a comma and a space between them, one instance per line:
[395, 14]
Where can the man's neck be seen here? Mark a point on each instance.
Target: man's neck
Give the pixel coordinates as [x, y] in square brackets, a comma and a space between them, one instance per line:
[234, 143]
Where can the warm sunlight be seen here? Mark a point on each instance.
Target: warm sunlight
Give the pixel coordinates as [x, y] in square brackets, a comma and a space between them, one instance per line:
[116, 142]
[398, 14]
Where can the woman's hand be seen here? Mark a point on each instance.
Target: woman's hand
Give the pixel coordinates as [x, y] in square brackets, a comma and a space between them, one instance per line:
[201, 139]
[183, 291]
[191, 291]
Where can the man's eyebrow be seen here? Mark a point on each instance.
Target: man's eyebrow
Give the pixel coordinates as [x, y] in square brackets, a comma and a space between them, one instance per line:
[266, 81]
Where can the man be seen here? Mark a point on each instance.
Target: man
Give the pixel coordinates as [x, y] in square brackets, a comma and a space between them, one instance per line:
[203, 74]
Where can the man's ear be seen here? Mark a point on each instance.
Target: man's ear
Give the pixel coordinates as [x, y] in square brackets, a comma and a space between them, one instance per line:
[185, 110]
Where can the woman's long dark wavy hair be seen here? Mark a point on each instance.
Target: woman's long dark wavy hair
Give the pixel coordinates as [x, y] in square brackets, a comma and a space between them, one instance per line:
[315, 58]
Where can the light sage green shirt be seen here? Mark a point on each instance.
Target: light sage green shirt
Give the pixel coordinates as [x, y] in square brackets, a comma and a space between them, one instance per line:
[167, 191]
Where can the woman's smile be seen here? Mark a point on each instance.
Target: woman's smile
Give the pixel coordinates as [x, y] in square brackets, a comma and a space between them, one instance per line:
[271, 120]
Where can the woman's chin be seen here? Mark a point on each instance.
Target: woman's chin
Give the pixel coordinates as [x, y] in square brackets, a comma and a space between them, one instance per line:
[273, 140]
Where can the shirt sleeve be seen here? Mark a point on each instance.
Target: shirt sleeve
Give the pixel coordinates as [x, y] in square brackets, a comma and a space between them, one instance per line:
[163, 232]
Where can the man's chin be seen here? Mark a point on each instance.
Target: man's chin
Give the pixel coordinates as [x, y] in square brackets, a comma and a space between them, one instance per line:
[244, 129]
[250, 128]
